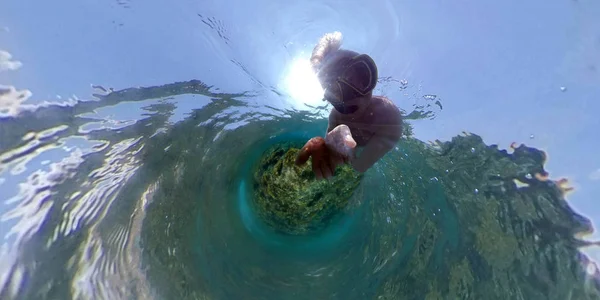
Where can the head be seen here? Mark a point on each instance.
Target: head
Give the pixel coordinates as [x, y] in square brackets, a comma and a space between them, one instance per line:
[347, 77]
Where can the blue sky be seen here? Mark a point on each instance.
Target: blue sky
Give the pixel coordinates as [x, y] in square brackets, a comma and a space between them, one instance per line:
[522, 71]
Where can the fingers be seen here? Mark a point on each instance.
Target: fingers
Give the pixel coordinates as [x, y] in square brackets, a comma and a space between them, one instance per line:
[332, 161]
[316, 166]
[349, 141]
[327, 169]
[309, 149]
[337, 160]
[345, 159]
[321, 167]
[303, 156]
[324, 160]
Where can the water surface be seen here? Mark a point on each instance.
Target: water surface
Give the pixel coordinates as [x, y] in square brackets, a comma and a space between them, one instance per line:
[127, 129]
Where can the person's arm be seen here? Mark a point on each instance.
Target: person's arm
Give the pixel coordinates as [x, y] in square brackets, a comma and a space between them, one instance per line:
[384, 140]
[338, 158]
[377, 147]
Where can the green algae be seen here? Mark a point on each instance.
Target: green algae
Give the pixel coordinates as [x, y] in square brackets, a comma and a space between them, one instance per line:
[517, 234]
[291, 200]
[509, 241]
[508, 247]
[461, 280]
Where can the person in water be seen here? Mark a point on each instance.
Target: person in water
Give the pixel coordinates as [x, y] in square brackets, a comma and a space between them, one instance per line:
[374, 122]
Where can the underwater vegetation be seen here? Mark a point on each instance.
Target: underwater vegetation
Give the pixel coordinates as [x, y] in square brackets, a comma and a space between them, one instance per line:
[457, 219]
[291, 200]
[450, 220]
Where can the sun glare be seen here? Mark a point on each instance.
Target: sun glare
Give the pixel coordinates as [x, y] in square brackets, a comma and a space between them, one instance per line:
[301, 83]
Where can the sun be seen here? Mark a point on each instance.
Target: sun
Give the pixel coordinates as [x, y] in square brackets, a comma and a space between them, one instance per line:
[301, 83]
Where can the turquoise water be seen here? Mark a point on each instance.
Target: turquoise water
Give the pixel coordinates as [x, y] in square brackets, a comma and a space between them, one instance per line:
[162, 209]
[140, 186]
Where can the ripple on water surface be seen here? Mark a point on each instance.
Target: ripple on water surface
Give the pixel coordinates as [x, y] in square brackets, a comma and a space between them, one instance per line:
[160, 206]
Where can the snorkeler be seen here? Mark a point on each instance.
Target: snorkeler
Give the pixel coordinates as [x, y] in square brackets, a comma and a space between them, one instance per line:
[374, 122]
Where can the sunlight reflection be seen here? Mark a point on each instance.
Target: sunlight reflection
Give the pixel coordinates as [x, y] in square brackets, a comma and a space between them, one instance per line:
[302, 84]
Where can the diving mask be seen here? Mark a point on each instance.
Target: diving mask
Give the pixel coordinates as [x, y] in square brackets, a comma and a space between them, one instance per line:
[347, 78]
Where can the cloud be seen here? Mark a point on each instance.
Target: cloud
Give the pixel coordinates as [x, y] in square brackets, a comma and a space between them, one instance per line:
[6, 62]
[11, 99]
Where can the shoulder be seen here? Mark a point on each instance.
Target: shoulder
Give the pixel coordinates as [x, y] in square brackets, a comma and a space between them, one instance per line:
[387, 112]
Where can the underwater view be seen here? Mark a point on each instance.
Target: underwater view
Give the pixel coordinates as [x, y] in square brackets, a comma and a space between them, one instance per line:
[174, 150]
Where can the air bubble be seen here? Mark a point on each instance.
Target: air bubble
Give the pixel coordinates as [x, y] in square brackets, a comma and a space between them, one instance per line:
[591, 268]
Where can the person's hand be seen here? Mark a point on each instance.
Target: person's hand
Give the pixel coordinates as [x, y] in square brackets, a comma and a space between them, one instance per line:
[324, 159]
[340, 140]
